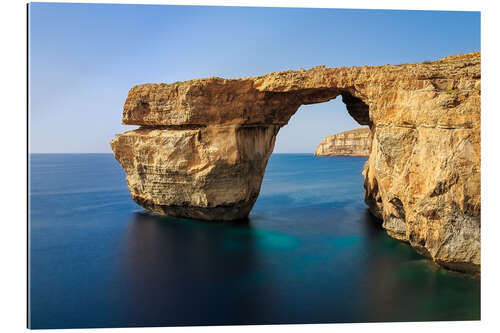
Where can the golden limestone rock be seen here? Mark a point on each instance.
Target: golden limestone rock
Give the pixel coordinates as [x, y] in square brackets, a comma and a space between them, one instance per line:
[356, 142]
[203, 146]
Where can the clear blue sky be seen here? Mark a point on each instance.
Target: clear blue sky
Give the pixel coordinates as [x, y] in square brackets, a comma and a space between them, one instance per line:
[85, 57]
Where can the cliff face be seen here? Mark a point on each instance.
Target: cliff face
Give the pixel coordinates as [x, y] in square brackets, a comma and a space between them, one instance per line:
[356, 142]
[203, 146]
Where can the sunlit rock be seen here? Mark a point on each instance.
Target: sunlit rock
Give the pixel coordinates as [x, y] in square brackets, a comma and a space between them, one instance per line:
[356, 142]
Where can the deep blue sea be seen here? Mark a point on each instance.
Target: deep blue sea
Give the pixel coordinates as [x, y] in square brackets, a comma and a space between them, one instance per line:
[310, 253]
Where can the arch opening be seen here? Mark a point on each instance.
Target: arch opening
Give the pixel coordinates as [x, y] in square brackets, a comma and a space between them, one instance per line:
[356, 107]
[313, 122]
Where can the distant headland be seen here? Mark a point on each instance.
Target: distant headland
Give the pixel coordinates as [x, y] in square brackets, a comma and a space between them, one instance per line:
[356, 142]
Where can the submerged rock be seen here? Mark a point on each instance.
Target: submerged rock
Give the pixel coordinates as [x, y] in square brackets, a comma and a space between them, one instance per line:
[356, 142]
[203, 146]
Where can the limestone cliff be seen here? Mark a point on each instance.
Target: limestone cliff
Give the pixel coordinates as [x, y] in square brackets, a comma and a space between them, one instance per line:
[203, 145]
[356, 142]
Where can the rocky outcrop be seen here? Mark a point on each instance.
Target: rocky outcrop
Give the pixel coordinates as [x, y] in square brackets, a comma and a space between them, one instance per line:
[203, 145]
[356, 142]
[210, 173]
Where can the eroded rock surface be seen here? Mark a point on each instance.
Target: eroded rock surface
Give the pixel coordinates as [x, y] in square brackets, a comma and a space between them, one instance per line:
[203, 145]
[210, 173]
[356, 142]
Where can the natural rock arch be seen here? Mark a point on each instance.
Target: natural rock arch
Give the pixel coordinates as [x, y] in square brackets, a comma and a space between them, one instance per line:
[215, 132]
[203, 145]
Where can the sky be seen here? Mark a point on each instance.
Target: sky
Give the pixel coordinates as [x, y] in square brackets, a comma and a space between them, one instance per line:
[83, 59]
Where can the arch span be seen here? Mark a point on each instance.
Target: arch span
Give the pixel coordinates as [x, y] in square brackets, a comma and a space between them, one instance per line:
[203, 145]
[206, 143]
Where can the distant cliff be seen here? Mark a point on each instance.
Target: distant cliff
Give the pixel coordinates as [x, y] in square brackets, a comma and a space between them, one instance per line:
[355, 142]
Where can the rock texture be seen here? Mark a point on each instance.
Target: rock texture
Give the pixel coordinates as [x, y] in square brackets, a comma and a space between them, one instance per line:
[210, 173]
[203, 145]
[356, 142]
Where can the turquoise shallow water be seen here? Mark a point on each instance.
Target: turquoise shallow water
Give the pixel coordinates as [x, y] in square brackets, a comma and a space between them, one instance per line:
[310, 253]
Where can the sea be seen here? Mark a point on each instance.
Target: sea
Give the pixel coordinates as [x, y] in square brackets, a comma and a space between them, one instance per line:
[310, 252]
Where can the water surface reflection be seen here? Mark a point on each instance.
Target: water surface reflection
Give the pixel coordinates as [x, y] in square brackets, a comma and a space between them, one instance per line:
[310, 253]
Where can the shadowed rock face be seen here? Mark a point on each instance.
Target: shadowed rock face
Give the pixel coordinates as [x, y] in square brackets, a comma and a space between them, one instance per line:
[203, 146]
[356, 142]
